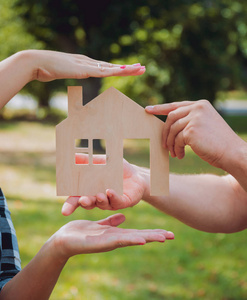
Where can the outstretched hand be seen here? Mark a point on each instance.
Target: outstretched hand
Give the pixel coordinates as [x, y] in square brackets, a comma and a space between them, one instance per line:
[44, 65]
[59, 65]
[81, 236]
[134, 184]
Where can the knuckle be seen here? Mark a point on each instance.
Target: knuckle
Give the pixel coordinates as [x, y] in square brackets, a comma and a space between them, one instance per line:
[173, 105]
[120, 244]
[171, 117]
[173, 129]
[202, 104]
[189, 133]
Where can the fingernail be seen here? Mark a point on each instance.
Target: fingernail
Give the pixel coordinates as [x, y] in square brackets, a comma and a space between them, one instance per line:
[109, 194]
[143, 67]
[142, 244]
[170, 235]
[65, 207]
[83, 203]
[123, 67]
[150, 107]
[136, 65]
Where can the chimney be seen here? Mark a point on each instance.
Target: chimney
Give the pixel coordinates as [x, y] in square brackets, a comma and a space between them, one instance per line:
[75, 102]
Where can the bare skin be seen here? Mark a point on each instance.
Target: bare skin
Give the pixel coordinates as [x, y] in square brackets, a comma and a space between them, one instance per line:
[206, 202]
[37, 279]
[19, 69]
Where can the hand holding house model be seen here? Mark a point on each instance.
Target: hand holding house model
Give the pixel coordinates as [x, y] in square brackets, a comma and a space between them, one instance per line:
[113, 117]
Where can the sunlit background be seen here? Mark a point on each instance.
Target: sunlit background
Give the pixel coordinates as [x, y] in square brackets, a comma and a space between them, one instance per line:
[191, 50]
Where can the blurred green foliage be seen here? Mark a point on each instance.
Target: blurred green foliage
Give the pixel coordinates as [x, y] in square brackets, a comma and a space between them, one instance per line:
[13, 34]
[192, 49]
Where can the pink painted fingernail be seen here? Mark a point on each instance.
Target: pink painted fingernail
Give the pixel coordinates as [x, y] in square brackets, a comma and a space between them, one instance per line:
[143, 67]
[123, 67]
[136, 65]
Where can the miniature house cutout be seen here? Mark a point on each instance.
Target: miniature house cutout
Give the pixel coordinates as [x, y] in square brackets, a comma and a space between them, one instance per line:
[111, 117]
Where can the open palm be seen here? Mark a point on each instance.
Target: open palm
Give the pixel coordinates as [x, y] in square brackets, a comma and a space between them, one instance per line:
[83, 236]
[133, 189]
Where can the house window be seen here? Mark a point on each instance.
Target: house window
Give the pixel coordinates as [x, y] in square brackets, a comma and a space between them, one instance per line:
[90, 151]
[81, 152]
[99, 152]
[81, 143]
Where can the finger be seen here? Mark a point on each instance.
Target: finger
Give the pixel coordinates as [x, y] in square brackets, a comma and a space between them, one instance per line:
[128, 70]
[179, 146]
[173, 117]
[175, 128]
[165, 109]
[125, 70]
[81, 159]
[131, 70]
[140, 237]
[116, 201]
[113, 220]
[151, 235]
[70, 205]
[102, 201]
[168, 234]
[87, 202]
[99, 159]
[103, 64]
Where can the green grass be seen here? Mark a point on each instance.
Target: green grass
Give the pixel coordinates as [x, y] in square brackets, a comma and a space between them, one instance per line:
[196, 265]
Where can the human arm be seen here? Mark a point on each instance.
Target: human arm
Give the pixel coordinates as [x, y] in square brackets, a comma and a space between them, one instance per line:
[37, 279]
[43, 65]
[205, 202]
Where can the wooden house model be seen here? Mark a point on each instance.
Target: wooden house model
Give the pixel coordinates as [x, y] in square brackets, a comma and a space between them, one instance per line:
[111, 116]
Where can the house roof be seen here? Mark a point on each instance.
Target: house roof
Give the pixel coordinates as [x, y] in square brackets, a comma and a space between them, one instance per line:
[114, 107]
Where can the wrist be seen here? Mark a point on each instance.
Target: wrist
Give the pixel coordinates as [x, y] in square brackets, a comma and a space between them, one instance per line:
[54, 249]
[237, 163]
[235, 160]
[145, 179]
[28, 60]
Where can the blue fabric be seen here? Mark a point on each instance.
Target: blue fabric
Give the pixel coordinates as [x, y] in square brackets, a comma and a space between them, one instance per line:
[10, 263]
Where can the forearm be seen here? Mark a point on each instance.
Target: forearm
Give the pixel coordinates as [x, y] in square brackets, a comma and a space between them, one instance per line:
[205, 202]
[15, 72]
[37, 279]
[235, 162]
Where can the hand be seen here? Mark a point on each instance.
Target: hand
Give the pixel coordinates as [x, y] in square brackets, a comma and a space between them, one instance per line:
[24, 66]
[83, 236]
[134, 186]
[198, 125]
[50, 65]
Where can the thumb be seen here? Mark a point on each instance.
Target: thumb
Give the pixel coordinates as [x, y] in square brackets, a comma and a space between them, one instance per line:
[113, 220]
[70, 205]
